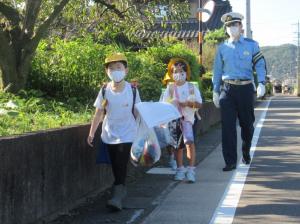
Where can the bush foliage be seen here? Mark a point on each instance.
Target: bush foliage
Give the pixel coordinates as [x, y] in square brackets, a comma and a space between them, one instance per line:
[75, 68]
[32, 111]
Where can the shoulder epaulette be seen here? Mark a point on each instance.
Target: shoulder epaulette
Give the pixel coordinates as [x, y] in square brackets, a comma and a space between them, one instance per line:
[249, 40]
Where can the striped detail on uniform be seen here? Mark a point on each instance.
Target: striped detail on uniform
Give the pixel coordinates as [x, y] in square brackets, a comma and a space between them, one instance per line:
[256, 57]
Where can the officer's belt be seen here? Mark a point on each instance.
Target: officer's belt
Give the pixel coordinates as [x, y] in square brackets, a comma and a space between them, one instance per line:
[237, 81]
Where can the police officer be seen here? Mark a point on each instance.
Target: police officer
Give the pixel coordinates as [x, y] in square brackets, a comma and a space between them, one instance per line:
[233, 87]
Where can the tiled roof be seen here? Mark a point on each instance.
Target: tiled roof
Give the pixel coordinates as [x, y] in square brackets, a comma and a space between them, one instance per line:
[189, 29]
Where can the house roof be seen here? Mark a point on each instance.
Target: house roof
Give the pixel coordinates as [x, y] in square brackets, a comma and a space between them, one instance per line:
[189, 29]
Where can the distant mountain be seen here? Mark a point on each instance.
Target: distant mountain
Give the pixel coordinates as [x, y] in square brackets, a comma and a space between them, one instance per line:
[281, 61]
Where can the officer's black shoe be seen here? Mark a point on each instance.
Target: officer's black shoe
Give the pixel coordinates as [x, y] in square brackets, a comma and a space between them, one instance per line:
[246, 158]
[229, 168]
[246, 161]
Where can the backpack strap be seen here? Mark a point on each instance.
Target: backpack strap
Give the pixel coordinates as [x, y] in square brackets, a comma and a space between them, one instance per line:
[171, 90]
[191, 88]
[104, 102]
[103, 89]
[134, 97]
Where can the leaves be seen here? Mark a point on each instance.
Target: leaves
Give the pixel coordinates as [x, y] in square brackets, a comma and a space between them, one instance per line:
[75, 68]
[35, 113]
[107, 22]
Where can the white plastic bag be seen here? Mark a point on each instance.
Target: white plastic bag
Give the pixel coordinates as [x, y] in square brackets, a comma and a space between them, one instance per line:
[164, 136]
[145, 150]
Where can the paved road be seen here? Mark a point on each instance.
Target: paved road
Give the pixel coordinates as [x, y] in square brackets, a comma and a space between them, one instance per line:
[267, 191]
[272, 190]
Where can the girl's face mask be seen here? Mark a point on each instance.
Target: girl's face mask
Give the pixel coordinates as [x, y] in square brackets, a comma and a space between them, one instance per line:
[116, 75]
[179, 76]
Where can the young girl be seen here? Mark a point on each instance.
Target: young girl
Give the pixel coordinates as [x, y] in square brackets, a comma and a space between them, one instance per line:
[186, 97]
[119, 126]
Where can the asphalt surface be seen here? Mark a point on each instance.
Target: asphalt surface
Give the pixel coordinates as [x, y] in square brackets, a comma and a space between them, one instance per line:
[270, 193]
[272, 190]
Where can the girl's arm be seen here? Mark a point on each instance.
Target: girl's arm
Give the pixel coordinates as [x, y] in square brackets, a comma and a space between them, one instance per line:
[98, 117]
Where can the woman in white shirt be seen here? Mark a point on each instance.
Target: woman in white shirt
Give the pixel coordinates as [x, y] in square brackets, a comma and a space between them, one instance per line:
[119, 126]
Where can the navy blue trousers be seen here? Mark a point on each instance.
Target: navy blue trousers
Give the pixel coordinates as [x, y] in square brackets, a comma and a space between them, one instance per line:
[236, 102]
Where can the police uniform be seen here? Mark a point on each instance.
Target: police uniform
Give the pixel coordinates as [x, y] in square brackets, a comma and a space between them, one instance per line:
[233, 81]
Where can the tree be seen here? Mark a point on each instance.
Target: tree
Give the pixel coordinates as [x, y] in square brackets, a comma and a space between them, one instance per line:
[118, 22]
[20, 34]
[23, 23]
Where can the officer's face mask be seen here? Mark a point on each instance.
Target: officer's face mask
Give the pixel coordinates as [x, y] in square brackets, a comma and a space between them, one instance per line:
[116, 75]
[179, 76]
[233, 31]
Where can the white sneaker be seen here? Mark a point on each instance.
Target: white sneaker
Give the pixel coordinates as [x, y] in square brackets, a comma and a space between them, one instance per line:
[179, 175]
[190, 175]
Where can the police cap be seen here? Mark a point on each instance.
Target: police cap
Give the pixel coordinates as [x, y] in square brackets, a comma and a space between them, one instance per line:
[231, 17]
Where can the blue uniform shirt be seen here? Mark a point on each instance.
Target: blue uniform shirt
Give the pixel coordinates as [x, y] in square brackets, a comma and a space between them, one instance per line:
[234, 60]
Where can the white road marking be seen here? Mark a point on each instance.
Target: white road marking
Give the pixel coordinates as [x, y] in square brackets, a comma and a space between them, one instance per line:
[225, 211]
[161, 170]
[137, 214]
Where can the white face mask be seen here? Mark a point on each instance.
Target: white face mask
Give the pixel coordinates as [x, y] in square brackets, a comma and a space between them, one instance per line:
[116, 75]
[181, 76]
[233, 31]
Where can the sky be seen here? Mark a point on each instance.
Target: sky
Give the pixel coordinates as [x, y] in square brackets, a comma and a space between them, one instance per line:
[273, 22]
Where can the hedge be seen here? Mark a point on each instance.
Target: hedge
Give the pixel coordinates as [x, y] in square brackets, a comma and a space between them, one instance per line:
[75, 68]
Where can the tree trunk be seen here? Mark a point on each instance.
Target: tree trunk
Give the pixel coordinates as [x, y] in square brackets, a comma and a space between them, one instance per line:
[19, 45]
[11, 79]
[14, 76]
[1, 80]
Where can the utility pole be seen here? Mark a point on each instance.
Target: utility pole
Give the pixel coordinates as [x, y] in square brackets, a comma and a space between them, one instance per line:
[200, 33]
[298, 61]
[298, 58]
[248, 20]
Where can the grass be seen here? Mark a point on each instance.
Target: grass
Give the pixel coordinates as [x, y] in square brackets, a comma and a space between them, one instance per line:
[33, 111]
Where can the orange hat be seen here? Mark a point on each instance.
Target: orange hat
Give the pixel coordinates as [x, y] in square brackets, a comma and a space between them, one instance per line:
[169, 75]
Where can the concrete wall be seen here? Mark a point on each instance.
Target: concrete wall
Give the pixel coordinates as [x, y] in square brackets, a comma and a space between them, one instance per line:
[46, 172]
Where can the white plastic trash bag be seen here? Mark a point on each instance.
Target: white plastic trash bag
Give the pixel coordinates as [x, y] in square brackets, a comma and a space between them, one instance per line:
[157, 113]
[164, 136]
[145, 150]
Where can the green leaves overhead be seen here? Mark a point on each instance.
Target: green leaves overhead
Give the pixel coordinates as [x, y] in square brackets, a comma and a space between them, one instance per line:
[110, 21]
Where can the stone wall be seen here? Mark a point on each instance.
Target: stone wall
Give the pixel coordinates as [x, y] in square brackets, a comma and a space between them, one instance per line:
[46, 172]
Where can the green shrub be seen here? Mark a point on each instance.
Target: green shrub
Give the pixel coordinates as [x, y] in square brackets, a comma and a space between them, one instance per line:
[33, 111]
[74, 69]
[69, 69]
[209, 52]
[269, 89]
[164, 54]
[215, 37]
[207, 86]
